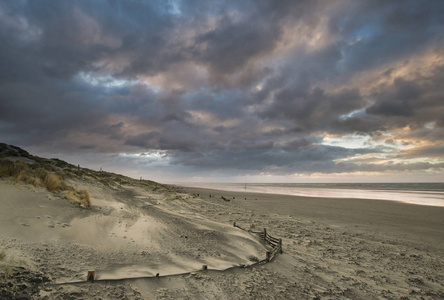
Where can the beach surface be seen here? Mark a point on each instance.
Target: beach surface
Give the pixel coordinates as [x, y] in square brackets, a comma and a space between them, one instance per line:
[333, 248]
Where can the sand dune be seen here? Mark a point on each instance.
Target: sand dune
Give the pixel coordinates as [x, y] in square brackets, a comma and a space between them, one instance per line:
[130, 234]
[333, 248]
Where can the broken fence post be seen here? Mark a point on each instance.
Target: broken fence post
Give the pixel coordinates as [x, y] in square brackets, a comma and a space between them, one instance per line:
[234, 224]
[90, 276]
[204, 267]
[265, 234]
[268, 255]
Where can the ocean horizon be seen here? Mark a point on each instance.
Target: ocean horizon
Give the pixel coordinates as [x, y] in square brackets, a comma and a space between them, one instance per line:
[430, 194]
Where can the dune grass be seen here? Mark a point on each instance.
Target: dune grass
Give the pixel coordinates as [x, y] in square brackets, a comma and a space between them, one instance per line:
[85, 198]
[82, 197]
[40, 177]
[52, 182]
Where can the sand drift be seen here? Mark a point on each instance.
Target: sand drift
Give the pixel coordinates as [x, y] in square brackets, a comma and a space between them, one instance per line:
[129, 233]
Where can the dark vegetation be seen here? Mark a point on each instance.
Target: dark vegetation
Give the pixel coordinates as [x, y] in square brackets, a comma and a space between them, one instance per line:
[53, 174]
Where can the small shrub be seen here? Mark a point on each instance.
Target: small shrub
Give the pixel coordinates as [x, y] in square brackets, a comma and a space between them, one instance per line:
[19, 167]
[64, 186]
[71, 197]
[20, 176]
[36, 182]
[85, 198]
[41, 173]
[52, 182]
[6, 168]
[81, 197]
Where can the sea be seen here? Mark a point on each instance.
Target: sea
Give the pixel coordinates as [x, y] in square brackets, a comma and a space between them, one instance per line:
[430, 194]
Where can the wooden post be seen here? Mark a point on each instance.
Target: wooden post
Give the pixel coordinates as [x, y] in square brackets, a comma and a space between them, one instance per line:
[265, 234]
[280, 246]
[90, 276]
[268, 255]
[204, 267]
[234, 224]
[78, 167]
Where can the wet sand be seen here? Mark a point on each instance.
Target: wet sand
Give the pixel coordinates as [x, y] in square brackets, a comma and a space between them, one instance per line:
[399, 220]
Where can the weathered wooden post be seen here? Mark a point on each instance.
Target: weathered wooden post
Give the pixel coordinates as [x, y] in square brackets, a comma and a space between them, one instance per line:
[90, 276]
[265, 234]
[280, 246]
[78, 167]
[204, 267]
[234, 224]
[268, 255]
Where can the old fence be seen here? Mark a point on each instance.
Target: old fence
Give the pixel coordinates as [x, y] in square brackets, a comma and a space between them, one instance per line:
[273, 244]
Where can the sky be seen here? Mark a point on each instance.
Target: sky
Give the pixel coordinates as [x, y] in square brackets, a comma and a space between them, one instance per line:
[228, 91]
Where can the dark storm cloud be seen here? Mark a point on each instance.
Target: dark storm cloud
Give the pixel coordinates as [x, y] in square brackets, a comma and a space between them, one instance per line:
[384, 31]
[240, 85]
[311, 109]
[357, 125]
[400, 102]
[302, 160]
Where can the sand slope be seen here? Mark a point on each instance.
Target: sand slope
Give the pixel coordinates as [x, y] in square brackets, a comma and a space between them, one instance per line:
[130, 232]
[344, 249]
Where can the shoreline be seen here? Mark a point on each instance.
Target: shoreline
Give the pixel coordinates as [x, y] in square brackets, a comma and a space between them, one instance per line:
[419, 223]
[332, 248]
[419, 196]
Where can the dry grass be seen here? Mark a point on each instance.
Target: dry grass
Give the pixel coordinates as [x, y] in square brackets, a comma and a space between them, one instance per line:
[37, 176]
[20, 176]
[36, 182]
[85, 198]
[9, 168]
[81, 197]
[52, 182]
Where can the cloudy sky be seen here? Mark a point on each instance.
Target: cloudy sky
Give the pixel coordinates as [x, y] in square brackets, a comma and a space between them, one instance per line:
[246, 91]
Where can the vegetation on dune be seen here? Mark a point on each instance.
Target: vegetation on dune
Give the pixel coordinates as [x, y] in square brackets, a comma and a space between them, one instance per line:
[38, 176]
[82, 197]
[51, 174]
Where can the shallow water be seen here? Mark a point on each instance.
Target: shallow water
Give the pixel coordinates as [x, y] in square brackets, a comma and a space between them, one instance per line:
[430, 194]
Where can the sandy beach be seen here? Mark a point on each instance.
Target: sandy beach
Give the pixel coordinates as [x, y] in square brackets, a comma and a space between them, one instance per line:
[333, 248]
[221, 149]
